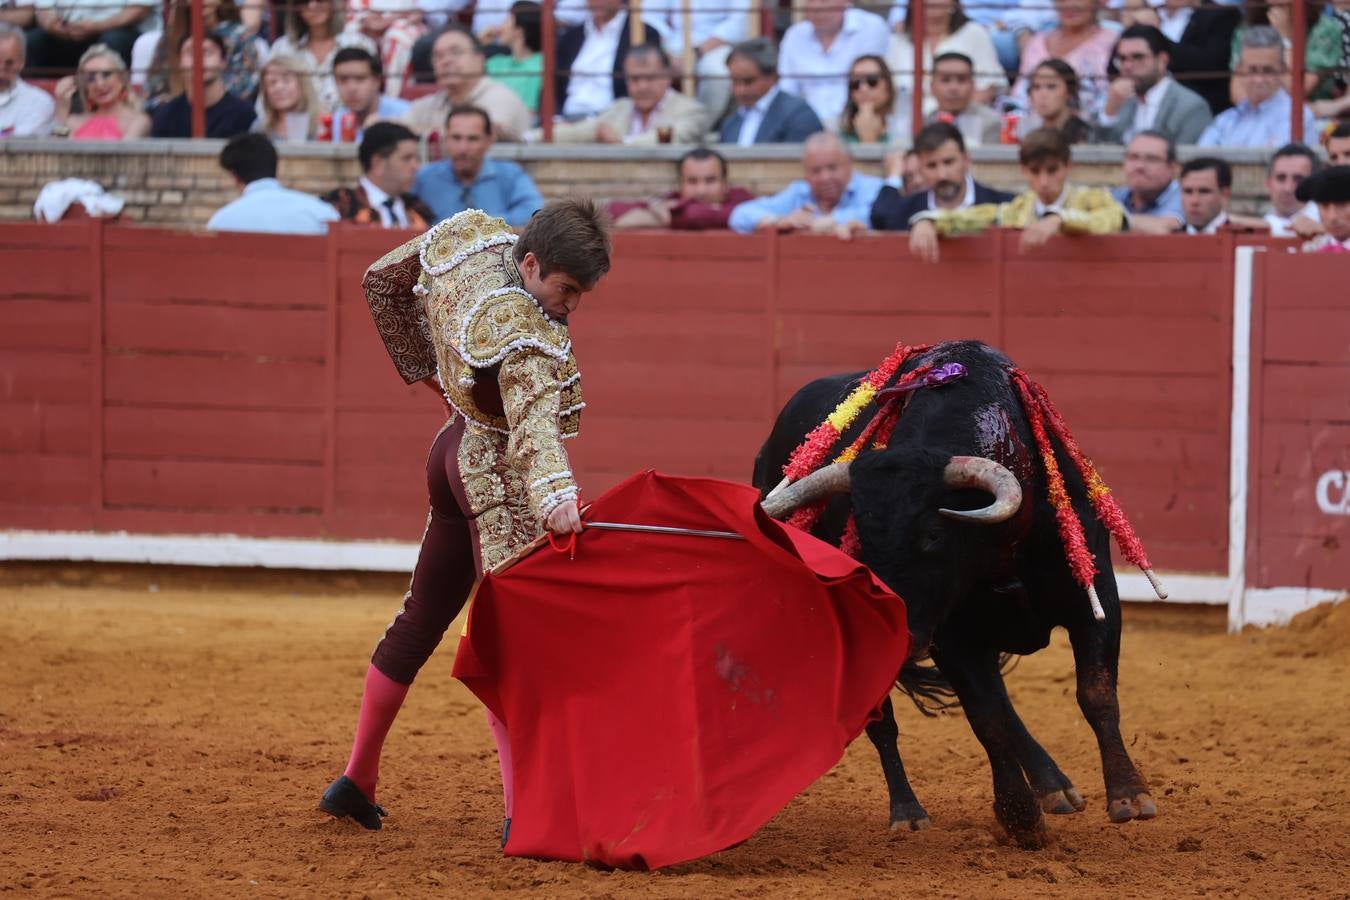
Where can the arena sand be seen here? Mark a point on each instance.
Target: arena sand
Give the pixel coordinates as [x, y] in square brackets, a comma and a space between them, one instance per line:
[167, 733]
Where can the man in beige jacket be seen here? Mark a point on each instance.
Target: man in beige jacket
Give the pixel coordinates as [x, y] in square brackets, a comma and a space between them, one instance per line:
[652, 113]
[458, 60]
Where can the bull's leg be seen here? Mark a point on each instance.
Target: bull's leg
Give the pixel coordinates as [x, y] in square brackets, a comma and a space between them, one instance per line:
[1052, 787]
[906, 811]
[974, 672]
[1096, 654]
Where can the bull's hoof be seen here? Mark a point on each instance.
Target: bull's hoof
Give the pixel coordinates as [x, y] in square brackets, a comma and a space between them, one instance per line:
[1026, 827]
[1139, 806]
[1063, 802]
[909, 817]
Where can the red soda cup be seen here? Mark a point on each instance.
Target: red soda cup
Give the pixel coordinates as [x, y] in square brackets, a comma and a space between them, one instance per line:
[1008, 133]
[348, 128]
[325, 127]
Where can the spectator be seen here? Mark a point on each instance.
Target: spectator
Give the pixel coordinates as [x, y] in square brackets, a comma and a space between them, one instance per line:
[522, 70]
[358, 75]
[244, 51]
[1151, 195]
[817, 51]
[111, 113]
[25, 110]
[315, 31]
[67, 28]
[1322, 46]
[944, 166]
[1145, 97]
[1290, 165]
[948, 30]
[1201, 33]
[652, 112]
[764, 113]
[20, 15]
[290, 108]
[703, 202]
[394, 27]
[264, 205]
[587, 55]
[715, 27]
[954, 87]
[468, 180]
[1053, 95]
[907, 171]
[833, 199]
[1261, 117]
[383, 198]
[1338, 145]
[1330, 190]
[1081, 41]
[457, 58]
[1206, 191]
[1051, 206]
[226, 114]
[871, 115]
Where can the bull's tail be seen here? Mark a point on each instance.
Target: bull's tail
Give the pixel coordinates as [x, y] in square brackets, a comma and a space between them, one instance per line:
[930, 690]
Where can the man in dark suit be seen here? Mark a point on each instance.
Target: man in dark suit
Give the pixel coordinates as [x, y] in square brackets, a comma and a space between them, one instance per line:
[944, 166]
[1201, 33]
[586, 51]
[383, 199]
[764, 114]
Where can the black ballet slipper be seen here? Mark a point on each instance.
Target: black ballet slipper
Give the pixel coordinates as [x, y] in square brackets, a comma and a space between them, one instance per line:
[344, 798]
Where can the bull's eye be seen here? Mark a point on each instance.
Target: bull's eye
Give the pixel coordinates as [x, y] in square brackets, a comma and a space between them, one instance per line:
[931, 539]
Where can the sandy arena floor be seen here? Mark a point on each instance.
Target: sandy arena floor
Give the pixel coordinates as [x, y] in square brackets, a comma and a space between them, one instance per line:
[167, 733]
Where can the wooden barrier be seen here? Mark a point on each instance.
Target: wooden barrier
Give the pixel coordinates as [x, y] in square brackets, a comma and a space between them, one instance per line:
[159, 382]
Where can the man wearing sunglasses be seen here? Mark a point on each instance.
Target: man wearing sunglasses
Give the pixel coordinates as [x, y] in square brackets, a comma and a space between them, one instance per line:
[1144, 96]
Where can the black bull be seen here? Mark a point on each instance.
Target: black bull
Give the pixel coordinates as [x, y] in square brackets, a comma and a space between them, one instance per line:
[975, 590]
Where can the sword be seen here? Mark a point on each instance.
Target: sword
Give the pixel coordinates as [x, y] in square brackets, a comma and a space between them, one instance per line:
[663, 529]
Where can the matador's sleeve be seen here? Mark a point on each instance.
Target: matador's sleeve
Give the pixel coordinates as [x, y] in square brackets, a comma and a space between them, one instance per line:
[532, 397]
[398, 311]
[956, 222]
[1091, 211]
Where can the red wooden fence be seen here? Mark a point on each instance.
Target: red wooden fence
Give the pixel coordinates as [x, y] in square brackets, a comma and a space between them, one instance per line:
[162, 382]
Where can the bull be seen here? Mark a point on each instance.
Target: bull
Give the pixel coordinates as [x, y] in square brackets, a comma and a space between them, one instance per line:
[954, 516]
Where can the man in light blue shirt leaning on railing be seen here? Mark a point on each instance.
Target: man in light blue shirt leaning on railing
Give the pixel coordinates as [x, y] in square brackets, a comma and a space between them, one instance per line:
[469, 180]
[263, 204]
[833, 199]
[1262, 117]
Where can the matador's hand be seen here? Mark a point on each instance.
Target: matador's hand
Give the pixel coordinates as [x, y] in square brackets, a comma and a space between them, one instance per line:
[565, 519]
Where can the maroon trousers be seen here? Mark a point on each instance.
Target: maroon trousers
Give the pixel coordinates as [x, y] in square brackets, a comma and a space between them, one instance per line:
[447, 566]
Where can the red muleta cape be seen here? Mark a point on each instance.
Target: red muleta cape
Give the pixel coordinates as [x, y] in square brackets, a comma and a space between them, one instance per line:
[666, 695]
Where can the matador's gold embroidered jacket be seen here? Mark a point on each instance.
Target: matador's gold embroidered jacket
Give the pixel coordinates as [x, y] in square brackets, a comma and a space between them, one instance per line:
[452, 303]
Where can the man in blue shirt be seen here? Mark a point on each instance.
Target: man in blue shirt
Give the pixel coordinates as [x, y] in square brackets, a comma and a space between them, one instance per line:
[469, 180]
[832, 199]
[1151, 195]
[1262, 118]
[360, 83]
[264, 205]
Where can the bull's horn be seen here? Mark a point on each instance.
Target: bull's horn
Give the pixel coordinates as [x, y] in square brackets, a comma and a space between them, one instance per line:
[987, 475]
[819, 485]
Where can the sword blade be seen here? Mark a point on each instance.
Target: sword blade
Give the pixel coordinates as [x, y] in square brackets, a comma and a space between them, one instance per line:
[664, 529]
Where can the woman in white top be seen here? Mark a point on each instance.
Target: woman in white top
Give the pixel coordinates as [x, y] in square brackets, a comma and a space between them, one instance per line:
[947, 30]
[289, 108]
[314, 34]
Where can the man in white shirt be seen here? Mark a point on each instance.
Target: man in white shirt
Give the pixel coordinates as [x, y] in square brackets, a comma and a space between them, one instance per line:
[589, 61]
[25, 111]
[1206, 190]
[816, 53]
[1287, 216]
[383, 197]
[1145, 98]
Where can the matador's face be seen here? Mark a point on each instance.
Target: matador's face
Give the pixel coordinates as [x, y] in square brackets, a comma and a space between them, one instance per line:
[557, 292]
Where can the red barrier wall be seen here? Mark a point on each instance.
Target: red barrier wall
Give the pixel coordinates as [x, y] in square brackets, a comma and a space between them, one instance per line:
[156, 381]
[1300, 444]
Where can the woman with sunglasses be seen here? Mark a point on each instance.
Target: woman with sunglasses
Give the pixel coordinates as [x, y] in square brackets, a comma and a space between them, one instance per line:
[1053, 95]
[870, 115]
[947, 29]
[110, 112]
[314, 34]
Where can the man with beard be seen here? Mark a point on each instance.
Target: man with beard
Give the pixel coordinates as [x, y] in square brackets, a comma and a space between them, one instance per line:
[944, 166]
[833, 199]
[1144, 95]
[469, 180]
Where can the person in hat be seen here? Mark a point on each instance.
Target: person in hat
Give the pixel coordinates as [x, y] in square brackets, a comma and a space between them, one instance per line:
[1330, 190]
[480, 315]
